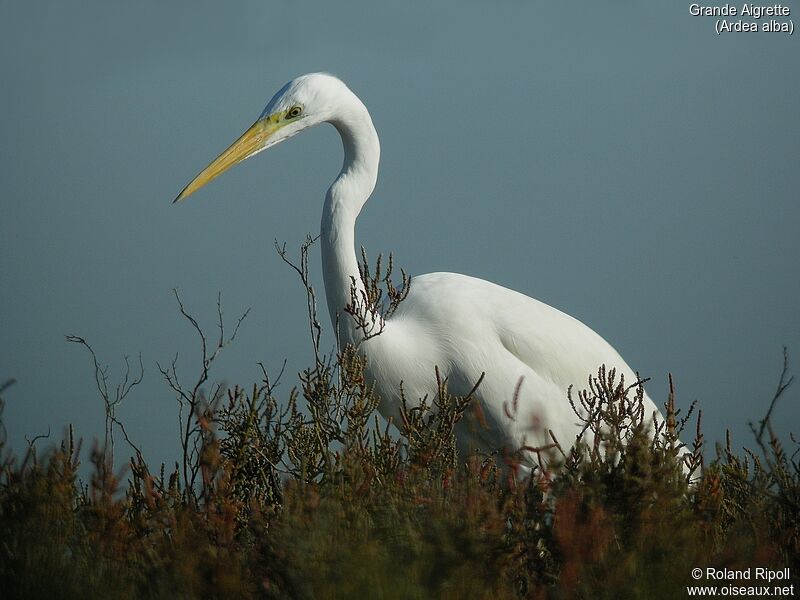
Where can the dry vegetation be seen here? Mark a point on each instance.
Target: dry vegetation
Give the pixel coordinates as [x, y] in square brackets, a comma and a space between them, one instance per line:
[310, 497]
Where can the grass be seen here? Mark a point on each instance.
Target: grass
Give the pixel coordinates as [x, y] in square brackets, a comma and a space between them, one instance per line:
[310, 497]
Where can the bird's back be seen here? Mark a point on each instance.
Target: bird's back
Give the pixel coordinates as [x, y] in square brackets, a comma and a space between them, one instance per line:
[467, 326]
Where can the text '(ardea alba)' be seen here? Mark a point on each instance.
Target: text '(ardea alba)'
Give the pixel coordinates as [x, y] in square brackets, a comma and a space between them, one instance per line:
[459, 324]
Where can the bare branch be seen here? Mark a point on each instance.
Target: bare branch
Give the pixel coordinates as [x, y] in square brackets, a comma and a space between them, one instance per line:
[783, 384]
[121, 391]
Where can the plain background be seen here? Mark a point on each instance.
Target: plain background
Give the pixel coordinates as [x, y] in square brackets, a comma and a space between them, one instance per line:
[616, 159]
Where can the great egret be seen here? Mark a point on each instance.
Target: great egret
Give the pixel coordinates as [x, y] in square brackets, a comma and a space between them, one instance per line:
[462, 325]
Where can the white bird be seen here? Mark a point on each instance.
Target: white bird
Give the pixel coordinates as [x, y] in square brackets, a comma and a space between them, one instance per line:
[459, 324]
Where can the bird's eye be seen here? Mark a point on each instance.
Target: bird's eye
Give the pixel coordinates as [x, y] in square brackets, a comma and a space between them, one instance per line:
[294, 112]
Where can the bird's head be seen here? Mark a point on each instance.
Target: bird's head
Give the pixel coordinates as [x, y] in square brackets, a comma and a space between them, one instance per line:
[303, 102]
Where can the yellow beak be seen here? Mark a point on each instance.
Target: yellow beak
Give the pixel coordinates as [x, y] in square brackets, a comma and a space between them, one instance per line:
[252, 140]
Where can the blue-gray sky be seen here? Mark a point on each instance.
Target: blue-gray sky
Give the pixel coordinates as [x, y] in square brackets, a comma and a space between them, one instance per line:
[616, 159]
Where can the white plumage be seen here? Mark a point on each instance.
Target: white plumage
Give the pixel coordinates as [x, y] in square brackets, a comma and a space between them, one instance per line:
[462, 325]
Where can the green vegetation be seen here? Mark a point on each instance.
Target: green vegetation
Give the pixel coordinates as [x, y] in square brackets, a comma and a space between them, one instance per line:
[310, 497]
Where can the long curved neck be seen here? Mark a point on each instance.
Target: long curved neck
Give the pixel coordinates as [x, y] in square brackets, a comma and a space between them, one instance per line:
[343, 203]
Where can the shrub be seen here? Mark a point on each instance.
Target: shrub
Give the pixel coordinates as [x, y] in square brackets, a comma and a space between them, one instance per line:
[312, 497]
